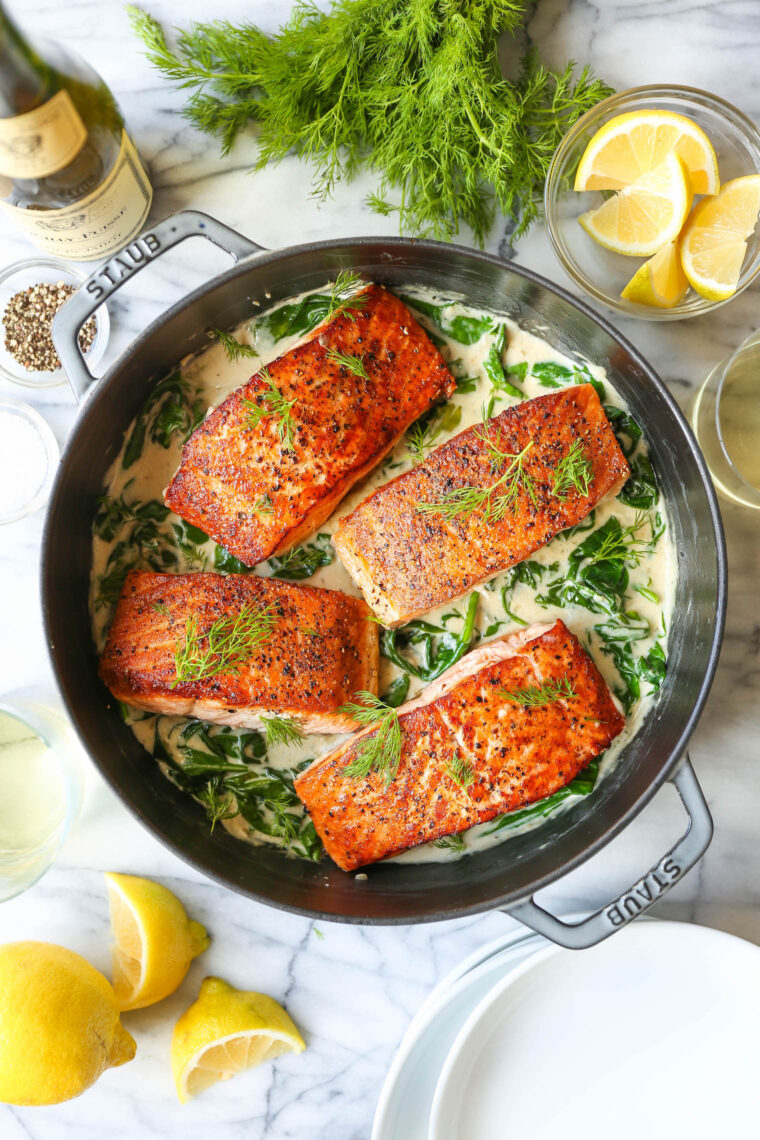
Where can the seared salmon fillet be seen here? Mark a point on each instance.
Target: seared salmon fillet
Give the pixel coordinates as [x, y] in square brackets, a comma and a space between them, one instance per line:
[319, 650]
[257, 488]
[408, 551]
[469, 750]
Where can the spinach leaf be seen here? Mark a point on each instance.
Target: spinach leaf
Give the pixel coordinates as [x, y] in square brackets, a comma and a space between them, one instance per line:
[625, 427]
[227, 562]
[494, 368]
[170, 408]
[303, 561]
[463, 329]
[296, 319]
[551, 375]
[599, 584]
[640, 490]
[396, 692]
[113, 513]
[434, 649]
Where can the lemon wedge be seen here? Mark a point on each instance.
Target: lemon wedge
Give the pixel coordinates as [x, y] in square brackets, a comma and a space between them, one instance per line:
[59, 1024]
[154, 940]
[714, 240]
[635, 143]
[648, 214]
[660, 282]
[226, 1031]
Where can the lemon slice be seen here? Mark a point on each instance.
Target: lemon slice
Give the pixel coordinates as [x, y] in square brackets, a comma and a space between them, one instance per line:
[714, 240]
[635, 143]
[660, 282]
[155, 941]
[643, 217]
[226, 1031]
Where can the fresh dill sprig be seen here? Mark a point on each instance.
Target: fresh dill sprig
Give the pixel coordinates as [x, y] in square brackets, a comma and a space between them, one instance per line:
[424, 433]
[410, 90]
[450, 843]
[224, 646]
[461, 771]
[282, 730]
[535, 696]
[218, 805]
[345, 360]
[233, 349]
[309, 631]
[274, 404]
[263, 505]
[345, 296]
[160, 608]
[626, 545]
[495, 501]
[574, 470]
[380, 751]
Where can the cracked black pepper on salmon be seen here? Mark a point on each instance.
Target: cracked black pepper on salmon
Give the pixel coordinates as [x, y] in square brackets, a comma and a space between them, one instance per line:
[469, 720]
[407, 559]
[259, 483]
[320, 649]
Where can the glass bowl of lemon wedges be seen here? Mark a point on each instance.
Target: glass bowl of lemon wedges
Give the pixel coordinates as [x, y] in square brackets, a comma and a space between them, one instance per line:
[652, 202]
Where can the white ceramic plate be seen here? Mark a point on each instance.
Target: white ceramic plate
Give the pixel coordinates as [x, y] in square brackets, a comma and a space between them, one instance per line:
[654, 1033]
[403, 1110]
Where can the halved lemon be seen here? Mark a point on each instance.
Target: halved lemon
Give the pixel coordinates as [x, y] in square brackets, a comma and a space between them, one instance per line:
[226, 1031]
[635, 143]
[714, 240]
[154, 940]
[660, 282]
[643, 217]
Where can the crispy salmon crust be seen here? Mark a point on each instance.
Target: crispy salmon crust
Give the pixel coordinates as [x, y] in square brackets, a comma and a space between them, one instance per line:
[407, 562]
[257, 495]
[516, 755]
[320, 651]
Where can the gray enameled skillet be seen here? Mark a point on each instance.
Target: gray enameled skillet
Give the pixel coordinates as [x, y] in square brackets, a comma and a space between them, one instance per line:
[507, 875]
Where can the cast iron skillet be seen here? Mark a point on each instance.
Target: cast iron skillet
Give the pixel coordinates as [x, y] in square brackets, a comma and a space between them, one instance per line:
[507, 875]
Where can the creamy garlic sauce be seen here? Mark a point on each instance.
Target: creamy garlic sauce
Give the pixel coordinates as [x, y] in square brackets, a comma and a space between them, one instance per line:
[214, 376]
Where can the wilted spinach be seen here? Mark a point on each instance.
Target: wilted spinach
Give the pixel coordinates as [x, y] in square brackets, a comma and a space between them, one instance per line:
[303, 561]
[170, 408]
[426, 650]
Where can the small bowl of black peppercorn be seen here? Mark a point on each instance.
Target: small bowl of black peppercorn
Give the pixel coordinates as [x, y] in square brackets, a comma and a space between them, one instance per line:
[31, 293]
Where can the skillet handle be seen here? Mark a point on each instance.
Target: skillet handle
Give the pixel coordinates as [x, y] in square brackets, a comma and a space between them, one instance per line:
[648, 890]
[105, 281]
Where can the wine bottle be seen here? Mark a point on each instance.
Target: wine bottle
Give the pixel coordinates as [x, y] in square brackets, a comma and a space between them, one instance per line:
[70, 174]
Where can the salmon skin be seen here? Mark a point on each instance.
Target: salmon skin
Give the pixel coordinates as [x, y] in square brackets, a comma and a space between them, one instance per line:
[407, 561]
[257, 491]
[320, 650]
[505, 755]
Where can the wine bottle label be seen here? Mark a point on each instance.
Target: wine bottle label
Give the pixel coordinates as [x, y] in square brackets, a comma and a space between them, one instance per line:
[42, 141]
[99, 224]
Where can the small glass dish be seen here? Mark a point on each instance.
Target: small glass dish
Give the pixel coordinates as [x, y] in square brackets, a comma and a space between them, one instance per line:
[725, 417]
[29, 456]
[20, 276]
[598, 271]
[41, 788]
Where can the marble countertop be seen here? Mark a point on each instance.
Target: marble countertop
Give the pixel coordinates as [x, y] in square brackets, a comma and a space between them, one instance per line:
[353, 990]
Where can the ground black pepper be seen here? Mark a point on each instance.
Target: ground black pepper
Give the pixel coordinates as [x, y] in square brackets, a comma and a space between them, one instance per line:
[28, 321]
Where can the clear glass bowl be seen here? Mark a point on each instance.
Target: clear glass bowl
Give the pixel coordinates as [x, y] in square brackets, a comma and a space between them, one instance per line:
[20, 276]
[22, 492]
[598, 271]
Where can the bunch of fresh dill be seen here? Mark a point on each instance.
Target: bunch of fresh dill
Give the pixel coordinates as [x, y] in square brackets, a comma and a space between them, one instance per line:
[409, 88]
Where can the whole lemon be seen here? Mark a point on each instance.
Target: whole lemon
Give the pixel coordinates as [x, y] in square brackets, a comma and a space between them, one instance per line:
[59, 1024]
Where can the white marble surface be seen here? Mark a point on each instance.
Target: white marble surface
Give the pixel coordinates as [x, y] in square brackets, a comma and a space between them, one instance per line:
[354, 990]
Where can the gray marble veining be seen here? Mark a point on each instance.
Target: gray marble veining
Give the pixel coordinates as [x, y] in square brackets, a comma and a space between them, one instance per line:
[353, 990]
